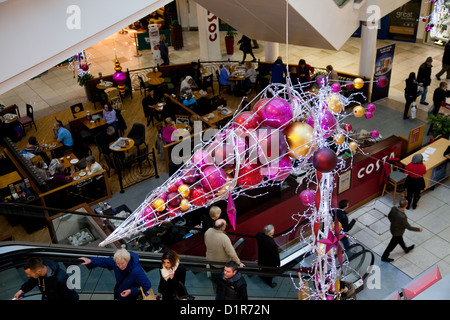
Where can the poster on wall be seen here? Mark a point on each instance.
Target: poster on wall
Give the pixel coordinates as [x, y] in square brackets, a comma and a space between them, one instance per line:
[403, 21]
[153, 32]
[383, 67]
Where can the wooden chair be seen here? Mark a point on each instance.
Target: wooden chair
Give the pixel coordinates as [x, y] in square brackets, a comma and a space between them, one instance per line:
[114, 97]
[143, 86]
[221, 85]
[208, 83]
[27, 120]
[396, 179]
[76, 108]
[182, 119]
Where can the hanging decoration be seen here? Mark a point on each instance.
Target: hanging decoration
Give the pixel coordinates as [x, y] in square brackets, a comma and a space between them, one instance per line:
[119, 77]
[79, 63]
[439, 13]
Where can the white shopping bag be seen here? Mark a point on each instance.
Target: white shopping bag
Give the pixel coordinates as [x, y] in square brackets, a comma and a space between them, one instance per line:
[413, 110]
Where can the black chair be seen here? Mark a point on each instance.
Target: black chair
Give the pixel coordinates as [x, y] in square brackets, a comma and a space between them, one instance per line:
[121, 124]
[76, 108]
[137, 133]
[208, 83]
[221, 85]
[143, 86]
[27, 120]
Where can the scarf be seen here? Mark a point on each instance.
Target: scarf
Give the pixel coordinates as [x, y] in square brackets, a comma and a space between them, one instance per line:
[165, 273]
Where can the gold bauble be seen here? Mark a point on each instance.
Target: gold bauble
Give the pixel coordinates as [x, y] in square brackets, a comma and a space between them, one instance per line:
[339, 138]
[299, 137]
[334, 104]
[358, 83]
[184, 205]
[358, 111]
[184, 190]
[353, 145]
[159, 205]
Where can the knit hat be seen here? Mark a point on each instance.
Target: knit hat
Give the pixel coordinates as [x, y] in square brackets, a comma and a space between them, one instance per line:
[417, 158]
[429, 59]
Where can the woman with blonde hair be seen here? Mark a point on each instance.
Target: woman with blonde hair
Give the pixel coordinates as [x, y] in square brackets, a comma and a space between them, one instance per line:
[173, 277]
[128, 272]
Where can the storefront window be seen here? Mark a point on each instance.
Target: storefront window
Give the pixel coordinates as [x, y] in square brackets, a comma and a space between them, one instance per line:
[438, 23]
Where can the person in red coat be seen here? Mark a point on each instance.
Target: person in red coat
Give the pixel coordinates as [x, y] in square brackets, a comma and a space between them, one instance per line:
[304, 71]
[415, 182]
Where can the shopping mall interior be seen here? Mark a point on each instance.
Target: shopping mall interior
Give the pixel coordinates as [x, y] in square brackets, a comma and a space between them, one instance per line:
[122, 189]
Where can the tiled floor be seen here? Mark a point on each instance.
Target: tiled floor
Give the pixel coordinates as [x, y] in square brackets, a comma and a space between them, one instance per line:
[55, 90]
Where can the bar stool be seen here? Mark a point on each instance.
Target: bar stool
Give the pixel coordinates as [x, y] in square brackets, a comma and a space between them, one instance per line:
[396, 179]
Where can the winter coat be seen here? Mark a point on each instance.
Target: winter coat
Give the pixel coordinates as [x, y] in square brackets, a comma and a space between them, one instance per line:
[246, 44]
[219, 247]
[399, 222]
[171, 288]
[446, 55]
[267, 251]
[411, 88]
[278, 71]
[53, 286]
[343, 219]
[424, 74]
[133, 277]
[306, 70]
[235, 289]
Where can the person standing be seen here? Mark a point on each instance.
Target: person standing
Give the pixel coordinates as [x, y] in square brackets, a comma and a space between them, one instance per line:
[439, 96]
[445, 62]
[231, 284]
[128, 272]
[424, 79]
[268, 254]
[49, 277]
[164, 50]
[333, 76]
[411, 90]
[172, 276]
[399, 223]
[342, 217]
[246, 47]
[415, 182]
[304, 71]
[278, 71]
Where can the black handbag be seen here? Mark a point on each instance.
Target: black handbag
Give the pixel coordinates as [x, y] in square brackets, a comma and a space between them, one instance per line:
[182, 293]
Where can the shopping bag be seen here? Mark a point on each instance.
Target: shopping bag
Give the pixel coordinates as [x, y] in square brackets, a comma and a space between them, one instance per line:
[413, 110]
[149, 296]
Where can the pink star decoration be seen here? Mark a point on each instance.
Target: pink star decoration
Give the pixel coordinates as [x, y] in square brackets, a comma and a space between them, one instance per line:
[332, 241]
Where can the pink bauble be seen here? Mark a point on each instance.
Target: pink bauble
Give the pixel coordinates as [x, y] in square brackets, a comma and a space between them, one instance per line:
[382, 81]
[310, 121]
[257, 107]
[119, 78]
[276, 113]
[213, 178]
[246, 121]
[163, 196]
[368, 115]
[324, 160]
[179, 182]
[279, 170]
[201, 158]
[374, 134]
[328, 123]
[271, 144]
[371, 107]
[307, 197]
[249, 176]
[321, 80]
[335, 87]
[349, 85]
[224, 156]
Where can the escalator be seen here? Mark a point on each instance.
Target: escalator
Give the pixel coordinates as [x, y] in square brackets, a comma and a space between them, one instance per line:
[98, 283]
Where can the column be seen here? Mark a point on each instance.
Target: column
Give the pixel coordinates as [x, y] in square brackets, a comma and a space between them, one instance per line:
[208, 35]
[368, 51]
[271, 51]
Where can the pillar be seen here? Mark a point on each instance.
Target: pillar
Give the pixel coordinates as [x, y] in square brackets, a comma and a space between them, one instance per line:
[271, 51]
[369, 35]
[208, 35]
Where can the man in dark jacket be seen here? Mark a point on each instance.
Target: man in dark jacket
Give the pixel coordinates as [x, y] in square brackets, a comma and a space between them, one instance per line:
[399, 223]
[445, 62]
[440, 95]
[424, 79]
[231, 285]
[49, 277]
[268, 254]
[343, 219]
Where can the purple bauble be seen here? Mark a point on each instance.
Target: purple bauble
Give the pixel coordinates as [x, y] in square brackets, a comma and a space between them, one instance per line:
[336, 87]
[173, 199]
[119, 78]
[324, 160]
[307, 197]
[201, 158]
[271, 144]
[328, 123]
[310, 121]
[371, 107]
[374, 133]
[191, 176]
[349, 85]
[213, 178]
[368, 115]
[276, 113]
[321, 80]
[279, 170]
[382, 81]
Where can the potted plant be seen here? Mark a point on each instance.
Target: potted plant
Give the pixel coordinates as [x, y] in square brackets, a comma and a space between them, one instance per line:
[82, 81]
[176, 35]
[439, 125]
[229, 40]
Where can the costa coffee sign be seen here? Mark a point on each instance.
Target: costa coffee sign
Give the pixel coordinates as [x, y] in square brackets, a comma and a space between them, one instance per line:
[213, 27]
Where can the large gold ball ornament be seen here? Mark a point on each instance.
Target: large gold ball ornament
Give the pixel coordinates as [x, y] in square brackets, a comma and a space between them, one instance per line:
[159, 205]
[353, 145]
[339, 138]
[184, 190]
[358, 111]
[358, 83]
[299, 137]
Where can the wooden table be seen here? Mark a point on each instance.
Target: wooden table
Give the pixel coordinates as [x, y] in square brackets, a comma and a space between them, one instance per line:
[154, 78]
[125, 148]
[7, 179]
[159, 106]
[103, 87]
[50, 145]
[433, 158]
[94, 124]
[79, 174]
[82, 114]
[66, 160]
[10, 118]
[218, 116]
[180, 127]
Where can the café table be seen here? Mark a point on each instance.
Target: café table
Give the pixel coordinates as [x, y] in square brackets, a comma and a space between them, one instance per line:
[79, 174]
[50, 145]
[94, 124]
[154, 78]
[121, 144]
[104, 85]
[68, 160]
[9, 178]
[182, 128]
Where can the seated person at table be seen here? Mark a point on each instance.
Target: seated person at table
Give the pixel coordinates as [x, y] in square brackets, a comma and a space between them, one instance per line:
[250, 76]
[109, 115]
[189, 101]
[196, 75]
[225, 75]
[92, 166]
[204, 104]
[187, 85]
[64, 136]
[105, 138]
[149, 104]
[34, 148]
[167, 130]
[60, 177]
[41, 171]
